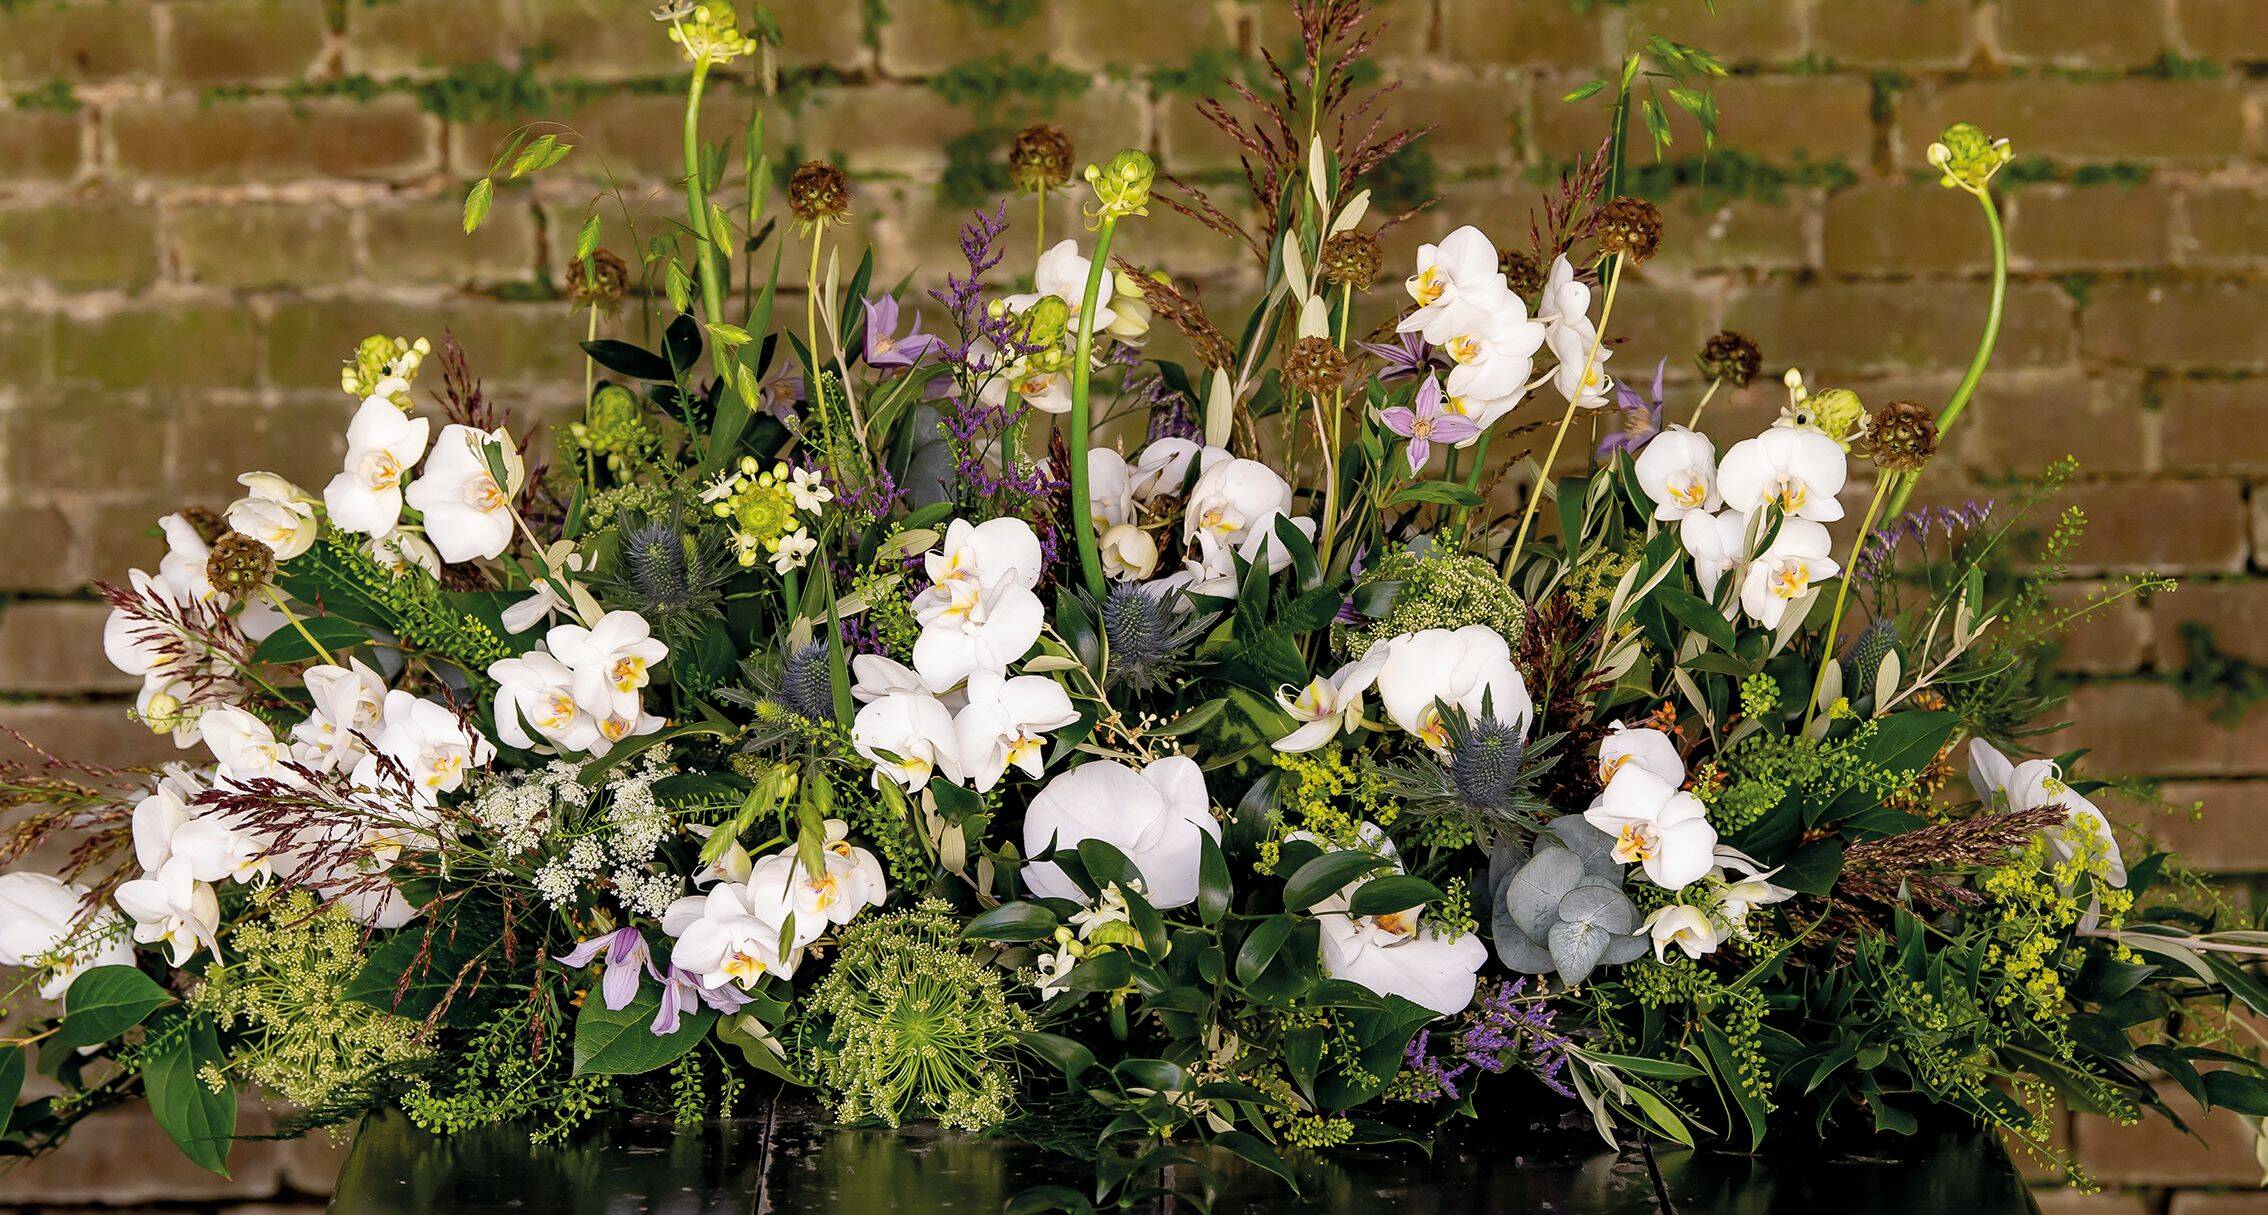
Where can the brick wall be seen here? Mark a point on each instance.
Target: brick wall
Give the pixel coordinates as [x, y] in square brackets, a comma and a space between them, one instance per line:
[204, 203]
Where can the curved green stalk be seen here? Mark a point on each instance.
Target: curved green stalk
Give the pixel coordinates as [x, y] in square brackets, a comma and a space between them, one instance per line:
[1082, 371]
[705, 249]
[1983, 356]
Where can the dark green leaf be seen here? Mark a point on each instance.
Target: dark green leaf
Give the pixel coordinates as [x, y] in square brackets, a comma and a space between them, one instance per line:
[107, 1001]
[1012, 922]
[286, 645]
[1256, 1150]
[1322, 877]
[11, 1082]
[1696, 614]
[200, 1121]
[1393, 892]
[1213, 888]
[611, 1042]
[622, 358]
[1068, 1056]
[1260, 946]
[2233, 1090]
[1440, 493]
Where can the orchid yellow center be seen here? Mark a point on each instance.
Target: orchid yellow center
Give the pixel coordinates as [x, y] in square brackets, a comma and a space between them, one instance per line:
[743, 966]
[1429, 285]
[628, 673]
[484, 495]
[443, 768]
[1793, 578]
[825, 890]
[1688, 490]
[1023, 748]
[616, 728]
[381, 469]
[1465, 349]
[1635, 842]
[1791, 494]
[1434, 730]
[1395, 922]
[1217, 520]
[560, 709]
[1608, 767]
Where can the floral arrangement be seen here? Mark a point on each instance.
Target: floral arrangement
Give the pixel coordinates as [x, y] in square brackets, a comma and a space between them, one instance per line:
[832, 699]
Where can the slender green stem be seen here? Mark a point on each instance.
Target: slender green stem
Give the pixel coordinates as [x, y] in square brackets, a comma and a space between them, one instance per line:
[1983, 356]
[1039, 228]
[1694, 422]
[1082, 371]
[1472, 482]
[1843, 593]
[296, 623]
[590, 374]
[705, 248]
[1559, 437]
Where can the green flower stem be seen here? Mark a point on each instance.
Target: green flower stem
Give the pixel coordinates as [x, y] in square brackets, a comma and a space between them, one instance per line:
[277, 600]
[1843, 593]
[1472, 482]
[705, 248]
[1983, 356]
[1082, 371]
[1694, 422]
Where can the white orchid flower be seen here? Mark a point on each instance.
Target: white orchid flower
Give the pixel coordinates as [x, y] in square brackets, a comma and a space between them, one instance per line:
[1566, 299]
[1786, 570]
[173, 909]
[2005, 786]
[349, 706]
[1392, 953]
[1800, 471]
[733, 933]
[1005, 724]
[1233, 501]
[1062, 272]
[1753, 889]
[1458, 285]
[613, 662]
[1212, 569]
[1639, 747]
[1718, 545]
[217, 849]
[1157, 816]
[398, 552]
[468, 515]
[1038, 382]
[276, 513]
[536, 690]
[1688, 928]
[44, 922]
[1161, 470]
[997, 552]
[1678, 470]
[1469, 668]
[875, 676]
[1665, 830]
[382, 444]
[430, 743]
[186, 560]
[916, 729]
[1581, 375]
[161, 812]
[1128, 553]
[1492, 361]
[975, 629]
[1327, 708]
[851, 881]
[244, 746]
[1110, 487]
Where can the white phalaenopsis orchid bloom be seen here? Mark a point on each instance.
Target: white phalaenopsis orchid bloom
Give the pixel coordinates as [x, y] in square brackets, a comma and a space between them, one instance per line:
[186, 560]
[1235, 504]
[1678, 470]
[546, 597]
[1639, 747]
[148, 644]
[1327, 708]
[276, 513]
[1750, 890]
[1469, 668]
[1688, 928]
[875, 676]
[1653, 823]
[1581, 375]
[1157, 816]
[1718, 545]
[1786, 570]
[1110, 487]
[173, 909]
[1800, 471]
[1492, 361]
[974, 628]
[434, 746]
[398, 552]
[2005, 786]
[161, 812]
[1393, 953]
[1566, 299]
[537, 691]
[613, 661]
[349, 705]
[218, 848]
[44, 923]
[1162, 469]
[1005, 724]
[997, 552]
[468, 515]
[910, 737]
[733, 933]
[850, 882]
[244, 746]
[1128, 553]
[1458, 286]
[382, 444]
[1062, 272]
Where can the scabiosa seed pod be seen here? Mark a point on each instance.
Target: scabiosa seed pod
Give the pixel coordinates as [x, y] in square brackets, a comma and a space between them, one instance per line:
[1902, 437]
[1315, 366]
[1353, 259]
[205, 521]
[1522, 272]
[239, 564]
[1040, 159]
[1731, 357]
[818, 193]
[600, 280]
[1630, 227]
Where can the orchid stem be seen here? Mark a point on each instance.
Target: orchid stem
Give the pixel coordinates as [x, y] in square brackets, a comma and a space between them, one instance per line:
[1694, 422]
[1559, 437]
[1082, 372]
[1843, 592]
[1983, 356]
[270, 591]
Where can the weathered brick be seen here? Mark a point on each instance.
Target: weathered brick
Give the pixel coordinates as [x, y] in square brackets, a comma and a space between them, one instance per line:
[2213, 826]
[2061, 1201]
[903, 128]
[82, 245]
[2157, 1153]
[2146, 728]
[425, 242]
[2082, 33]
[1837, 329]
[423, 35]
[2089, 227]
[2228, 226]
[261, 246]
[60, 443]
[124, 1158]
[39, 145]
[82, 42]
[102, 732]
[1475, 124]
[40, 548]
[1902, 227]
[1403, 28]
[212, 443]
[1900, 33]
[1738, 30]
[2024, 422]
[2182, 324]
[57, 648]
[601, 39]
[2131, 119]
[265, 140]
[2165, 526]
[1484, 33]
[163, 349]
[2113, 638]
[2229, 1202]
[922, 37]
[242, 41]
[2222, 28]
[1089, 35]
[505, 342]
[1784, 120]
[1700, 232]
[2215, 425]
[2211, 602]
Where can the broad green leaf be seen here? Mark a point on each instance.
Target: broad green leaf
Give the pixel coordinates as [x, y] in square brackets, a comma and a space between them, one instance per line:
[1213, 888]
[11, 1083]
[286, 644]
[1322, 877]
[107, 1001]
[200, 1121]
[622, 1042]
[1393, 892]
[1012, 922]
[1068, 1056]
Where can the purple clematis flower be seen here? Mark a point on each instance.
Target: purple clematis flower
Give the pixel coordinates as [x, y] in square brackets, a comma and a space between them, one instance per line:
[682, 991]
[626, 957]
[884, 348]
[1641, 418]
[1406, 356]
[1427, 421]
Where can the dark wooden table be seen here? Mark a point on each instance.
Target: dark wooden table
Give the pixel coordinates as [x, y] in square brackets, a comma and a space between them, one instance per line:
[788, 1159]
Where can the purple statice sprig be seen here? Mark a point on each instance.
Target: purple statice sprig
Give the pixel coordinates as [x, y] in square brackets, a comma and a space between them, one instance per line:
[1505, 1029]
[963, 295]
[1917, 527]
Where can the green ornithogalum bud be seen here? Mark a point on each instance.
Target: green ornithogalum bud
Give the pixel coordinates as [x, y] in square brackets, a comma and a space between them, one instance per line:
[1046, 321]
[1902, 437]
[384, 366]
[1835, 412]
[1967, 157]
[708, 30]
[1040, 159]
[1731, 357]
[1122, 187]
[239, 565]
[1114, 932]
